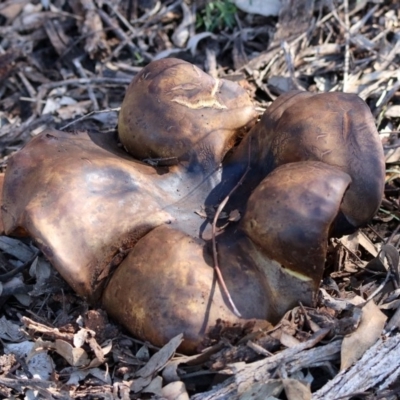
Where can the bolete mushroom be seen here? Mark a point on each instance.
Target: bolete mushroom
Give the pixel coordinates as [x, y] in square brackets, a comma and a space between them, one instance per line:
[182, 113]
[335, 128]
[270, 261]
[138, 236]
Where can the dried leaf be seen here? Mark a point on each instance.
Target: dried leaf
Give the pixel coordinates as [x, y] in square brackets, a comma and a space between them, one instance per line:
[155, 364]
[51, 105]
[175, 391]
[24, 299]
[58, 38]
[389, 253]
[288, 340]
[155, 387]
[31, 18]
[53, 332]
[98, 351]
[182, 32]
[85, 335]
[392, 255]
[170, 373]
[296, 390]
[94, 363]
[10, 331]
[101, 374]
[106, 347]
[143, 353]
[366, 334]
[281, 84]
[268, 390]
[390, 305]
[76, 376]
[80, 375]
[234, 216]
[16, 248]
[393, 111]
[365, 242]
[11, 8]
[42, 271]
[80, 338]
[73, 110]
[74, 356]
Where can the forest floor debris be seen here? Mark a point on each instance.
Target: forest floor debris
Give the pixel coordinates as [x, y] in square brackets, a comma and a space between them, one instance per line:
[66, 65]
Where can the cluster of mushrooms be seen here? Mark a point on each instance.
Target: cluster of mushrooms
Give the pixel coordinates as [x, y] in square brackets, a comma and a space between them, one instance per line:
[132, 227]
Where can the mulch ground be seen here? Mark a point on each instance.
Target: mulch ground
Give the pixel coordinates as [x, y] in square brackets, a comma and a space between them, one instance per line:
[67, 64]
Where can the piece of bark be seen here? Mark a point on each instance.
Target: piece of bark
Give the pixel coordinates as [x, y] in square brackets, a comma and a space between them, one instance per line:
[289, 360]
[378, 368]
[367, 333]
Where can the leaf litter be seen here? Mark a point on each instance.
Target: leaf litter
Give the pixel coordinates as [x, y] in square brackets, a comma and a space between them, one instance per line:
[66, 65]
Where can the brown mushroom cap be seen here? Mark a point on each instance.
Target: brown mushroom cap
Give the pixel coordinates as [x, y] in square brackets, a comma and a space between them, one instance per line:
[335, 128]
[290, 215]
[167, 285]
[174, 109]
[83, 202]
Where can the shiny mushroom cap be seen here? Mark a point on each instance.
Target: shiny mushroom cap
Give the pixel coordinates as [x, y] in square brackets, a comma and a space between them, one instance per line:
[291, 213]
[172, 109]
[83, 202]
[335, 128]
[167, 285]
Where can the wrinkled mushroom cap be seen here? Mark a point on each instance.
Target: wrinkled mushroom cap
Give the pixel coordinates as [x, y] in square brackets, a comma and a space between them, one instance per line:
[291, 212]
[174, 109]
[83, 202]
[158, 293]
[167, 285]
[335, 128]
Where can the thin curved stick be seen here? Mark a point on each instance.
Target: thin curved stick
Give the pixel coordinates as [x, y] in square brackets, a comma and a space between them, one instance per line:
[221, 280]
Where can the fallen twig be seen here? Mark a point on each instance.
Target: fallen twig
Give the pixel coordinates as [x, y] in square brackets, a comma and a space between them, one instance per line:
[86, 116]
[347, 47]
[37, 327]
[378, 368]
[290, 360]
[214, 241]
